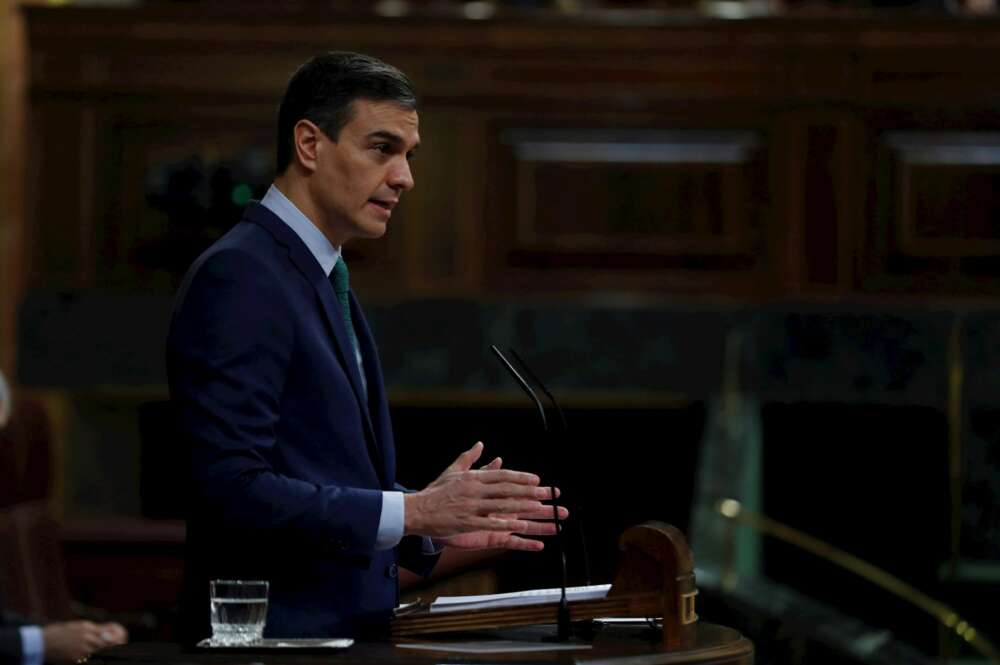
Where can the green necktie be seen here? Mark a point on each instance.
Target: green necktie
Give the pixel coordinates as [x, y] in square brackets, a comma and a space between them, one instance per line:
[341, 281]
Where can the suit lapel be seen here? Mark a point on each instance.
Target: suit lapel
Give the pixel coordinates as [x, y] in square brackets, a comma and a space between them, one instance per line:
[311, 270]
[377, 403]
[345, 351]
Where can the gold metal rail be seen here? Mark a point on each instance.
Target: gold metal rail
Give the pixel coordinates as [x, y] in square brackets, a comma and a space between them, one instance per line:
[949, 618]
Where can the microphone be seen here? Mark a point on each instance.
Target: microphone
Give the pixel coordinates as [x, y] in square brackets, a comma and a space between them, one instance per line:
[577, 511]
[563, 618]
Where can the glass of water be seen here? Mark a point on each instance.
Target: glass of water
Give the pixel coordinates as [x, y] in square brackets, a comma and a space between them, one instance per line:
[239, 609]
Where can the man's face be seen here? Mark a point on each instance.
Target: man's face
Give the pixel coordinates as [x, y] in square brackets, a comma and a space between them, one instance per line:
[359, 178]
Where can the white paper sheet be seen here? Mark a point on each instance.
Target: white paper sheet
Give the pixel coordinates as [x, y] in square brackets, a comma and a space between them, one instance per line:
[518, 598]
[492, 646]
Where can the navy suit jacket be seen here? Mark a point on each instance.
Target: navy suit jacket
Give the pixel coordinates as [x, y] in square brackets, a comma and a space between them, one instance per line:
[11, 651]
[10, 645]
[289, 456]
[10, 639]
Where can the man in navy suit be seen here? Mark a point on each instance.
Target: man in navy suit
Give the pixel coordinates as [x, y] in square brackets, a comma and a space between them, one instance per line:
[276, 380]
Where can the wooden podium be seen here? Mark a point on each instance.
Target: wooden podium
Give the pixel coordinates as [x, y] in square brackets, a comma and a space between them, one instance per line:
[654, 578]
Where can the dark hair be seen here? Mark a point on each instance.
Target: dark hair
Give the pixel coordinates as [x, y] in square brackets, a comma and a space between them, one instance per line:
[323, 88]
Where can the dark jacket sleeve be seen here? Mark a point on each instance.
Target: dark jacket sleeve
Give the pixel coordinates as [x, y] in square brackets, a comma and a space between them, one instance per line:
[418, 554]
[10, 645]
[10, 637]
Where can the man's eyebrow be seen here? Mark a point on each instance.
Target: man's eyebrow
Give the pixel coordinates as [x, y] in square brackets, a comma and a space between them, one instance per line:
[392, 137]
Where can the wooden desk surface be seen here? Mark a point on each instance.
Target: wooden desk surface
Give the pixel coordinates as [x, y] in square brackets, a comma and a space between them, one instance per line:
[715, 645]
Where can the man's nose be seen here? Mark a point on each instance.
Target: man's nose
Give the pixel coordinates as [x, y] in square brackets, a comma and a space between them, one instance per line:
[401, 178]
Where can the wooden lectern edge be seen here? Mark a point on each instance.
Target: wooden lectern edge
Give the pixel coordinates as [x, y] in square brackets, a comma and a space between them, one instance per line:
[656, 555]
[655, 577]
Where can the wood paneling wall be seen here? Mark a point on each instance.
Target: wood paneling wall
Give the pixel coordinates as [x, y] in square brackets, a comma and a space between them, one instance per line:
[756, 159]
[13, 65]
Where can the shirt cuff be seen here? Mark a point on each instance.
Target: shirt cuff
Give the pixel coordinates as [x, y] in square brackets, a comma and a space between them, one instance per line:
[32, 645]
[390, 523]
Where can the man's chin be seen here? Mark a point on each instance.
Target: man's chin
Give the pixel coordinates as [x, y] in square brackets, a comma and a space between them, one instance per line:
[378, 229]
[371, 230]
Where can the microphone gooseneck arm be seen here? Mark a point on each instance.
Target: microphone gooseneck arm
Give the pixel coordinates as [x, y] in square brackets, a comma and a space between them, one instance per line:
[564, 630]
[541, 386]
[524, 386]
[581, 530]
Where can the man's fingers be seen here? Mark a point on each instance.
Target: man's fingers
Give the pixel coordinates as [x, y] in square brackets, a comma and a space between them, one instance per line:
[503, 490]
[524, 544]
[465, 461]
[540, 524]
[544, 514]
[534, 526]
[113, 633]
[509, 508]
[497, 524]
[492, 466]
[92, 638]
[506, 476]
[539, 529]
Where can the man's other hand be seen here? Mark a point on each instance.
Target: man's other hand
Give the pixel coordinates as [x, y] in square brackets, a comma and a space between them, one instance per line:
[73, 641]
[484, 508]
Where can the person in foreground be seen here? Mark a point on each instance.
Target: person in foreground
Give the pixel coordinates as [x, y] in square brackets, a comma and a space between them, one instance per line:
[276, 381]
[25, 643]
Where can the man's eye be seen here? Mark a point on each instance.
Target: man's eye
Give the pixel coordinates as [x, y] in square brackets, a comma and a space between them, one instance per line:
[384, 148]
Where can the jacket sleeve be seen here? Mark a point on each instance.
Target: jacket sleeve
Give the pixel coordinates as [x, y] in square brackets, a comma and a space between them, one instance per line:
[228, 354]
[10, 645]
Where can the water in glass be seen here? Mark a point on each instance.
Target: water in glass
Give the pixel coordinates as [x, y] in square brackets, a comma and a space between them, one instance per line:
[239, 610]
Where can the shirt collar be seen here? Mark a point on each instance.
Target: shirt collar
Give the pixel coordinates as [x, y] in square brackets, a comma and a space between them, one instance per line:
[319, 245]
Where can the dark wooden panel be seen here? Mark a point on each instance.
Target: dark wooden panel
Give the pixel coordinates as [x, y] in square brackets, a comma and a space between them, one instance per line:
[948, 193]
[61, 229]
[641, 200]
[821, 227]
[635, 191]
[936, 203]
[828, 202]
[962, 74]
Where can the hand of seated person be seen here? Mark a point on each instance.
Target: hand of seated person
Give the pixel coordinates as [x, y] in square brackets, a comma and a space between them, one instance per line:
[73, 641]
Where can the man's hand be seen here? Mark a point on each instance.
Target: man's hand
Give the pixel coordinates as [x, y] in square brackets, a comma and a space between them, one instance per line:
[482, 508]
[488, 540]
[73, 641]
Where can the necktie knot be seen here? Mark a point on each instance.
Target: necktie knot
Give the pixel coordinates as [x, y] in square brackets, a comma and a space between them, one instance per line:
[340, 277]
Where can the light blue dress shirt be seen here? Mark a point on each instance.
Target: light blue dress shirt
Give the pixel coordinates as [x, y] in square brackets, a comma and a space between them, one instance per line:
[32, 645]
[390, 525]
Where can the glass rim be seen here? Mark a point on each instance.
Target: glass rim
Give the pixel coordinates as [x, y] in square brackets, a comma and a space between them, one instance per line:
[239, 582]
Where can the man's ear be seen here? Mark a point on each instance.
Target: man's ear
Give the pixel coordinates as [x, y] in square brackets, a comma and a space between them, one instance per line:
[307, 137]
